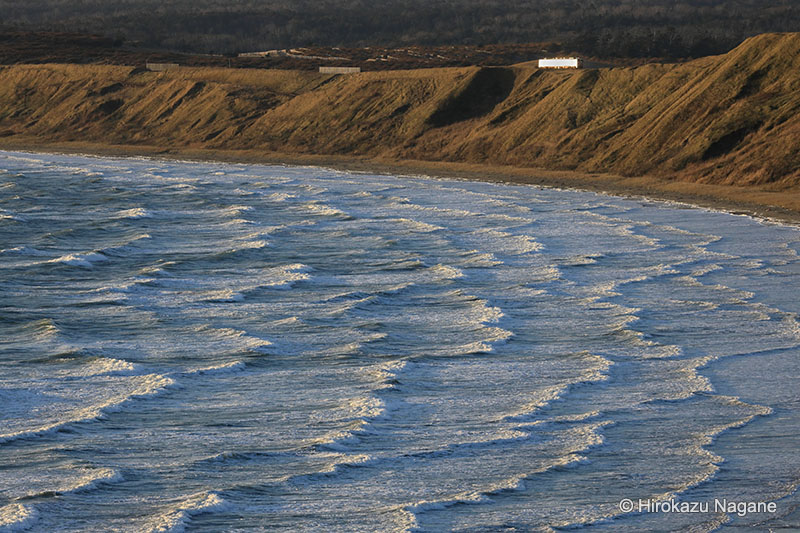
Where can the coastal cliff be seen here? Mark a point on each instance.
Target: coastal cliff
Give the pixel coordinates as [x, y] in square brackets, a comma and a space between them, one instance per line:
[732, 119]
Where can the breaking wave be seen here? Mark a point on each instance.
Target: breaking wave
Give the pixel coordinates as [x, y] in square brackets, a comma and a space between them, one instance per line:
[239, 346]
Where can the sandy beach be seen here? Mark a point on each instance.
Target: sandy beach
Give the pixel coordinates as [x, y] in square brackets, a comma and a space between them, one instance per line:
[783, 206]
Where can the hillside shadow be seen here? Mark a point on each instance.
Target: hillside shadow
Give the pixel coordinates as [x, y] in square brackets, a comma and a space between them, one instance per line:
[485, 90]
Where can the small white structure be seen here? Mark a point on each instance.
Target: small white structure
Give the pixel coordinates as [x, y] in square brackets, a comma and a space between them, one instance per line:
[339, 70]
[561, 62]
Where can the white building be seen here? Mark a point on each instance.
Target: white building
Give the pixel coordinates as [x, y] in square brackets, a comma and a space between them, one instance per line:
[561, 62]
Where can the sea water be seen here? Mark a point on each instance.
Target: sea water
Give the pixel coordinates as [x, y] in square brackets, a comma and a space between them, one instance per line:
[222, 347]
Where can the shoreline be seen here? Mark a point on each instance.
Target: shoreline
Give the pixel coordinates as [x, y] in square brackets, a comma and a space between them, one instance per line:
[778, 206]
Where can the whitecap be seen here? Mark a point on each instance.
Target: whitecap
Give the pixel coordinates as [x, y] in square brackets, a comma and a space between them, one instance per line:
[323, 209]
[446, 272]
[705, 269]
[107, 365]
[85, 260]
[90, 366]
[17, 517]
[279, 197]
[477, 259]
[89, 479]
[417, 225]
[234, 210]
[240, 338]
[176, 518]
[483, 496]
[8, 215]
[224, 368]
[595, 369]
[139, 387]
[224, 295]
[133, 213]
[45, 328]
[23, 250]
[288, 321]
[287, 275]
[157, 269]
[238, 222]
[510, 243]
[250, 245]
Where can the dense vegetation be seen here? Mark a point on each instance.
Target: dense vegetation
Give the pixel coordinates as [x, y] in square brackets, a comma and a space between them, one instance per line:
[599, 28]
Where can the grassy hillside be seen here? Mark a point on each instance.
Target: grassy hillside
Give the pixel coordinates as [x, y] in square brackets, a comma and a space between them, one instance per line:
[732, 119]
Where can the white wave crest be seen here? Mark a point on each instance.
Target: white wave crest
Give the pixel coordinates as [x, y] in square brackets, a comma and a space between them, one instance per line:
[85, 260]
[705, 269]
[482, 496]
[240, 338]
[17, 517]
[45, 329]
[595, 369]
[251, 245]
[226, 368]
[510, 243]
[222, 296]
[362, 411]
[23, 250]
[279, 197]
[90, 480]
[107, 365]
[97, 366]
[133, 213]
[417, 225]
[289, 274]
[324, 209]
[178, 517]
[446, 272]
[236, 210]
[141, 386]
[238, 222]
[475, 258]
[386, 373]
[8, 215]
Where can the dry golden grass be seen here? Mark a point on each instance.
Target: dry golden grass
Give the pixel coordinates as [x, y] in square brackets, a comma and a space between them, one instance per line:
[730, 120]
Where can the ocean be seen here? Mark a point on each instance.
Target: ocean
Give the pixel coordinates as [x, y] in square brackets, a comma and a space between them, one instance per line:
[214, 347]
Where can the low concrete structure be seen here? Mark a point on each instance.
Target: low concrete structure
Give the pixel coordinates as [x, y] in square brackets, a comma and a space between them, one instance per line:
[160, 67]
[561, 62]
[339, 70]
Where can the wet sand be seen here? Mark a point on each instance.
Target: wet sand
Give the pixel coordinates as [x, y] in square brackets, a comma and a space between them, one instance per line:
[777, 205]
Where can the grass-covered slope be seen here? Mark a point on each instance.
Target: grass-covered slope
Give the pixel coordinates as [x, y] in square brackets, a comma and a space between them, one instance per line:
[732, 119]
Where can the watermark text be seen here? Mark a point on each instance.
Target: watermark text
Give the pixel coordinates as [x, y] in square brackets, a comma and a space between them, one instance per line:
[723, 505]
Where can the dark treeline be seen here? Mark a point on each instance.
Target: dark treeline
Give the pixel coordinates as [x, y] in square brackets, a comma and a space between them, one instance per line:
[600, 28]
